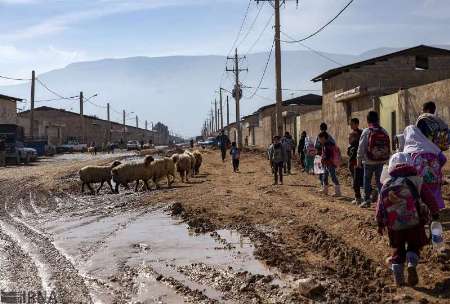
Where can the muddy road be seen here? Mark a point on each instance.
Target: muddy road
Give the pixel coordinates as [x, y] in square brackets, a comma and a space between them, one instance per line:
[221, 238]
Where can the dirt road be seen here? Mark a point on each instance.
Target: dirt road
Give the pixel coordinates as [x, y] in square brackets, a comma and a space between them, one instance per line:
[221, 238]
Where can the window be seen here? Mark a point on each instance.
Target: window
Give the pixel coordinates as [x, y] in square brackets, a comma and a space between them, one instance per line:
[421, 63]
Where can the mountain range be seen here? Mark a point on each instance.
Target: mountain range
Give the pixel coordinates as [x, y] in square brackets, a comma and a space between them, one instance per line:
[179, 90]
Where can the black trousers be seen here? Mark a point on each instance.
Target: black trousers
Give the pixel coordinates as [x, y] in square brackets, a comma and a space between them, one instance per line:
[235, 165]
[224, 153]
[278, 171]
[357, 179]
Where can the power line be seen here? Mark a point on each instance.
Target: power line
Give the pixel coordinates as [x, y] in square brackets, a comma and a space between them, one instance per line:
[293, 90]
[260, 35]
[50, 90]
[17, 79]
[57, 99]
[321, 28]
[96, 105]
[315, 51]
[264, 72]
[249, 30]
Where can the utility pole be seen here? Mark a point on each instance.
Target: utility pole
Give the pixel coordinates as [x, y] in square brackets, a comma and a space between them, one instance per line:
[123, 122]
[237, 93]
[221, 109]
[33, 82]
[137, 122]
[217, 116]
[109, 121]
[228, 112]
[146, 125]
[83, 127]
[279, 96]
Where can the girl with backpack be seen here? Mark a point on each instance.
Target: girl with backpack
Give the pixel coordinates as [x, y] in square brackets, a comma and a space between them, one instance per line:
[330, 161]
[310, 153]
[404, 208]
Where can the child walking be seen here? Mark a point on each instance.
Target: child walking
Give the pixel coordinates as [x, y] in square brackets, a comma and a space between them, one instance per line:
[277, 157]
[329, 161]
[310, 154]
[235, 156]
[403, 208]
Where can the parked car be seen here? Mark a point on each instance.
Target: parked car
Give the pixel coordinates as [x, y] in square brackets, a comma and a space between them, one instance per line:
[71, 146]
[133, 145]
[209, 142]
[15, 148]
[32, 152]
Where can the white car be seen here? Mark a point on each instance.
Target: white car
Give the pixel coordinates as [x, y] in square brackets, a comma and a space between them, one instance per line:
[133, 145]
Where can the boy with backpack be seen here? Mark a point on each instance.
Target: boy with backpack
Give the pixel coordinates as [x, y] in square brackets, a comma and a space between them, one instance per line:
[310, 153]
[404, 208]
[318, 146]
[235, 156]
[277, 157]
[374, 150]
[331, 158]
[352, 151]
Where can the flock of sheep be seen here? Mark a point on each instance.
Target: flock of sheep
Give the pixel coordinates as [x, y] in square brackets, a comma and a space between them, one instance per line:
[186, 164]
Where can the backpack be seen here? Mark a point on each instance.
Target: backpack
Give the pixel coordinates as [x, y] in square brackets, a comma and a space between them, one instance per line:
[379, 146]
[400, 199]
[311, 150]
[435, 129]
[428, 167]
[336, 157]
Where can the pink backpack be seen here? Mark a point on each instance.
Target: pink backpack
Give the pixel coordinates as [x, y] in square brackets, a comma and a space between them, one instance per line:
[336, 158]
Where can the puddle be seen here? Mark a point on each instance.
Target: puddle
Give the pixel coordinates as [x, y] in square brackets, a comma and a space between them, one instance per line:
[102, 246]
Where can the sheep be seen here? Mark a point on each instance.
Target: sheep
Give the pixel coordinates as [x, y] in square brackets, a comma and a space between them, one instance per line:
[183, 165]
[198, 161]
[91, 150]
[97, 174]
[193, 161]
[129, 172]
[161, 168]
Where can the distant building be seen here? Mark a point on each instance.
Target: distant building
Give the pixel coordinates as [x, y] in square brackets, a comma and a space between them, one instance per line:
[259, 127]
[8, 109]
[354, 90]
[61, 126]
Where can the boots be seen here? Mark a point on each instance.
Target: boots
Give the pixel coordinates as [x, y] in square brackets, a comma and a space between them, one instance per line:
[399, 275]
[324, 190]
[413, 260]
[337, 191]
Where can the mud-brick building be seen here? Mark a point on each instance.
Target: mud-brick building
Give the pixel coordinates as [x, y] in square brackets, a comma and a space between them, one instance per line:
[402, 108]
[61, 126]
[8, 109]
[353, 90]
[259, 128]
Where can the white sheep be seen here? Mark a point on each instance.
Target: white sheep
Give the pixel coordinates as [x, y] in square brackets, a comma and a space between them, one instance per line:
[97, 174]
[136, 171]
[183, 165]
[164, 167]
[198, 161]
[193, 161]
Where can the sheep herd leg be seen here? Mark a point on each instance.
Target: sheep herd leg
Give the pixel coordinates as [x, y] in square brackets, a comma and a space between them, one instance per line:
[117, 188]
[99, 188]
[147, 187]
[82, 187]
[90, 188]
[136, 187]
[110, 186]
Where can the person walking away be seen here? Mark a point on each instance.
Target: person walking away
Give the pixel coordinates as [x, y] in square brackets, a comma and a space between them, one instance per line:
[277, 157]
[352, 151]
[2, 153]
[235, 156]
[310, 153]
[323, 128]
[374, 150]
[426, 144]
[191, 144]
[330, 161]
[404, 208]
[223, 142]
[301, 149]
[288, 144]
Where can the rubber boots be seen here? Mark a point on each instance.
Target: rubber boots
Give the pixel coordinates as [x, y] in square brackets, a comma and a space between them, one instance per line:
[337, 191]
[399, 275]
[413, 260]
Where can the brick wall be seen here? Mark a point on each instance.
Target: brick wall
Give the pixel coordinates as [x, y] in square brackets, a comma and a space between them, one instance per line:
[8, 110]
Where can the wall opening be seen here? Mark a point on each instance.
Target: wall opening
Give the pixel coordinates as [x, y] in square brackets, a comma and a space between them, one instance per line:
[421, 63]
[348, 111]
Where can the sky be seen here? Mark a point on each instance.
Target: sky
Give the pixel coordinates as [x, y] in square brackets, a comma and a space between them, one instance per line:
[49, 34]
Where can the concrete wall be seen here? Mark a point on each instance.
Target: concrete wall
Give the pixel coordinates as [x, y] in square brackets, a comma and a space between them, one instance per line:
[62, 126]
[407, 104]
[8, 110]
[310, 122]
[381, 78]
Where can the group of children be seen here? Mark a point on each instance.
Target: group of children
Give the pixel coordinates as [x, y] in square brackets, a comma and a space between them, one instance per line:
[408, 192]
